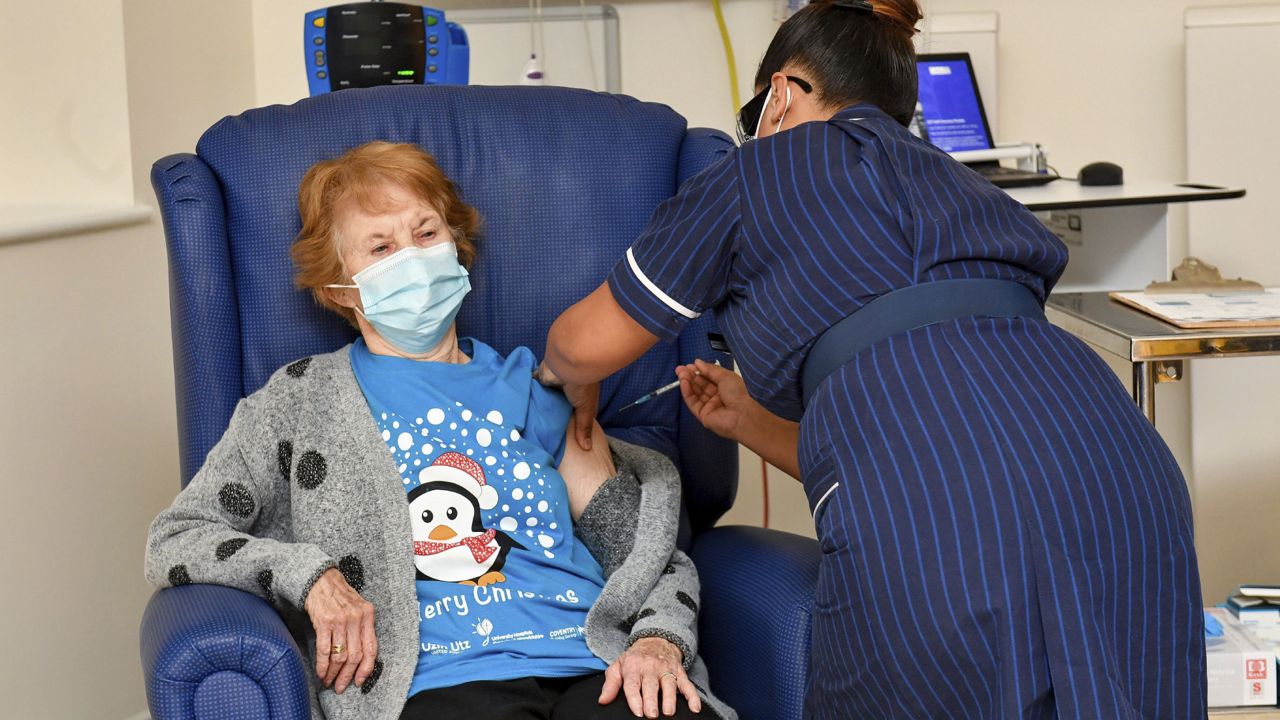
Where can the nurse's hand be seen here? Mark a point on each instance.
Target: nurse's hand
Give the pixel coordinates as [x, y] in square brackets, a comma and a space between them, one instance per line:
[719, 399]
[651, 675]
[585, 400]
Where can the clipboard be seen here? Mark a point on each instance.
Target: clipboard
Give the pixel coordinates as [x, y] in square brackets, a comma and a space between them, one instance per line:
[1202, 311]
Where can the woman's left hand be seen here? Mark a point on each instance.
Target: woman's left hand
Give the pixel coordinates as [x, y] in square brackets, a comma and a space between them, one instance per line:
[651, 674]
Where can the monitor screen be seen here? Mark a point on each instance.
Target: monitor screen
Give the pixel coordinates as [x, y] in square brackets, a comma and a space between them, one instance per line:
[950, 113]
[375, 44]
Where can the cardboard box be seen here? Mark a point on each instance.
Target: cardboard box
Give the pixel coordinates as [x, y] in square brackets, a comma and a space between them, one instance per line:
[1242, 668]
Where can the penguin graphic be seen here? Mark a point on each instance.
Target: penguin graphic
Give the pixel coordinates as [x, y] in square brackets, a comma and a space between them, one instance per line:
[450, 541]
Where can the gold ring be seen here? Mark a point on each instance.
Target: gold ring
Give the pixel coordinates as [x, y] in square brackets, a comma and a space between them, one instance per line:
[664, 675]
[337, 649]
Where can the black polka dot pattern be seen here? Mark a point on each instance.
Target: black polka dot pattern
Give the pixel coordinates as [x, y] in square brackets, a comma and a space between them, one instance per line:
[311, 470]
[265, 578]
[227, 548]
[178, 576]
[236, 499]
[284, 457]
[687, 601]
[299, 368]
[372, 680]
[353, 570]
[669, 569]
[636, 617]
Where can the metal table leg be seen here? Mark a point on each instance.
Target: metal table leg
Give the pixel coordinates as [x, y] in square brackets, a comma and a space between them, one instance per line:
[1144, 388]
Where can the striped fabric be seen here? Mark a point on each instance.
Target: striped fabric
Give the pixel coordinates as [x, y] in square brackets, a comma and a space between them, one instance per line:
[1004, 534]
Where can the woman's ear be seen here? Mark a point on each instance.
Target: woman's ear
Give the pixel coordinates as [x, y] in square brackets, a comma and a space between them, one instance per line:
[345, 297]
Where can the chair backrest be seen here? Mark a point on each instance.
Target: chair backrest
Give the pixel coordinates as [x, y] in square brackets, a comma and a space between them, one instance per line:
[564, 179]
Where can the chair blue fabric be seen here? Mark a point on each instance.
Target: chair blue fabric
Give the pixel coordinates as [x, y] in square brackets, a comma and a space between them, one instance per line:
[564, 179]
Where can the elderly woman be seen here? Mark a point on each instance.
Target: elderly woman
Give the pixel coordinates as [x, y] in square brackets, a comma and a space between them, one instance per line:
[417, 495]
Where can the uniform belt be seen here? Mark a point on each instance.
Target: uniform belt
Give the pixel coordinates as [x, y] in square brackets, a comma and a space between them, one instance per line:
[908, 309]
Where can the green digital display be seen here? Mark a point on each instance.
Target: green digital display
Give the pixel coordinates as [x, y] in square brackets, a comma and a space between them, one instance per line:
[404, 72]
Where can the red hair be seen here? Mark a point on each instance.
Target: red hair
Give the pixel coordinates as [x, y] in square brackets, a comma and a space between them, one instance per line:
[360, 175]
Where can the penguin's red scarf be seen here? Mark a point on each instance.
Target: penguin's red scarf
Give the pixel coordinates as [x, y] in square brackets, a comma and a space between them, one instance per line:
[479, 545]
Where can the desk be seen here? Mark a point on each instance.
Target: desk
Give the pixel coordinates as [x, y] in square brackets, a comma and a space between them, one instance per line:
[1155, 349]
[1121, 241]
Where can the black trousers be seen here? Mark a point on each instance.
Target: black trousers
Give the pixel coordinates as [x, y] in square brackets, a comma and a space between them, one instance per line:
[574, 698]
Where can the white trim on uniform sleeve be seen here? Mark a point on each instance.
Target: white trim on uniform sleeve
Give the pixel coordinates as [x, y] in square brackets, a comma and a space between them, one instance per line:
[657, 291]
[825, 496]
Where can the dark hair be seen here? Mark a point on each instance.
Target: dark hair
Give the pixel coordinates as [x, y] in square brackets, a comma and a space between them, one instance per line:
[851, 55]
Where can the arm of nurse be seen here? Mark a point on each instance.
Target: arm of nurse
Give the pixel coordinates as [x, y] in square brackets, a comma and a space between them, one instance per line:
[595, 338]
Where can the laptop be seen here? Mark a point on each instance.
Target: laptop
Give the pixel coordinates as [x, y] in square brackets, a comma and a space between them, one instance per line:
[950, 114]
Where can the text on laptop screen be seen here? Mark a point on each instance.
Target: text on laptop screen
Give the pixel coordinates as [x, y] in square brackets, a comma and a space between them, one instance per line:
[953, 118]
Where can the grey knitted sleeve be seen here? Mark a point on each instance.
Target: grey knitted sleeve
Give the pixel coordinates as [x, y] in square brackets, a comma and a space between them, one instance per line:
[671, 610]
[608, 523]
[229, 527]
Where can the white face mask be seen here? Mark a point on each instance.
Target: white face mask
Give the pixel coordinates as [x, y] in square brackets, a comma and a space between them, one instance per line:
[412, 296]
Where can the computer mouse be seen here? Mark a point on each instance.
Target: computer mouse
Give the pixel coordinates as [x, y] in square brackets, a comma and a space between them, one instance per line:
[1101, 173]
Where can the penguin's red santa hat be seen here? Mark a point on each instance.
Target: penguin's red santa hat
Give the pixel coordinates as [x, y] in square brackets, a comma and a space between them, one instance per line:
[458, 469]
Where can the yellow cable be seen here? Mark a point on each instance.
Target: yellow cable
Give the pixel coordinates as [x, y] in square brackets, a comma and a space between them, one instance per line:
[728, 56]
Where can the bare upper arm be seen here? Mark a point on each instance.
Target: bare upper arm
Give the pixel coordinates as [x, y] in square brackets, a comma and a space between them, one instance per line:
[585, 471]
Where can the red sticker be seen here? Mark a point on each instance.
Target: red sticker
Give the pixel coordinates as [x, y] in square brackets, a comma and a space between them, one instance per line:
[1255, 669]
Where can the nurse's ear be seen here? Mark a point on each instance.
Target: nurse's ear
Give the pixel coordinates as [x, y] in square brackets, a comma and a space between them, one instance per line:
[780, 100]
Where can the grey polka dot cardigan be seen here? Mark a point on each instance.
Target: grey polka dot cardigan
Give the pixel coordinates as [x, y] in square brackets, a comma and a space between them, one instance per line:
[302, 482]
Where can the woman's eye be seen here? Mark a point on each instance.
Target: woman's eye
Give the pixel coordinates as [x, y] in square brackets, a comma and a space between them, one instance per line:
[452, 513]
[378, 250]
[427, 234]
[426, 516]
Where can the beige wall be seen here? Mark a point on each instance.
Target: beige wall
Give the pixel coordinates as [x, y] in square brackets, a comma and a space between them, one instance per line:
[64, 131]
[88, 442]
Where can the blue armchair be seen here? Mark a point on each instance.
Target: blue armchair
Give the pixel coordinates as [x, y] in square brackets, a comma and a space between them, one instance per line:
[565, 180]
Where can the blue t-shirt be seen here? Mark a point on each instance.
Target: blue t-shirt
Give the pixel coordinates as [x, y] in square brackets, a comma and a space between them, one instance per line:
[503, 585]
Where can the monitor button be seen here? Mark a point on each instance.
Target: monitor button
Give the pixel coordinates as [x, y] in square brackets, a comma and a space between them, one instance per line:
[433, 51]
[318, 22]
[319, 57]
[432, 68]
[431, 20]
[433, 39]
[322, 74]
[319, 40]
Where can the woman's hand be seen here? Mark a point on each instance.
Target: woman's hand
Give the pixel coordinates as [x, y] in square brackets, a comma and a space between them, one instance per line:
[718, 398]
[651, 674]
[346, 645]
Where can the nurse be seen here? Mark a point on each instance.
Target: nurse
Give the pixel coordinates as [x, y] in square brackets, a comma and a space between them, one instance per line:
[1003, 534]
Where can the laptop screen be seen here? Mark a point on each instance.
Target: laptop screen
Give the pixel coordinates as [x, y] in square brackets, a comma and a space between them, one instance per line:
[950, 114]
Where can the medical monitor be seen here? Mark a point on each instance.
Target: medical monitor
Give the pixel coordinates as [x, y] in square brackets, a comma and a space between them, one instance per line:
[367, 44]
[951, 114]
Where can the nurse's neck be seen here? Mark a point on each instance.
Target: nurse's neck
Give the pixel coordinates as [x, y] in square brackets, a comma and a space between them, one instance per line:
[446, 351]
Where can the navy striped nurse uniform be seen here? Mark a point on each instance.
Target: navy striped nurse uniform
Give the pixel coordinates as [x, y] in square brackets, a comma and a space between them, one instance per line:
[1003, 533]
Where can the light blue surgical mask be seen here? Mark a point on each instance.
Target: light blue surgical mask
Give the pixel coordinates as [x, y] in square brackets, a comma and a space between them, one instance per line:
[412, 297]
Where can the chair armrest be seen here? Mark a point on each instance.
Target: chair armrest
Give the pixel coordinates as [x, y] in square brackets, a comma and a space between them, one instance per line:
[210, 651]
[754, 629]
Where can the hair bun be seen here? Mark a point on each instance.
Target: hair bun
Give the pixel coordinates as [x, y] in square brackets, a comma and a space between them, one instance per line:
[903, 14]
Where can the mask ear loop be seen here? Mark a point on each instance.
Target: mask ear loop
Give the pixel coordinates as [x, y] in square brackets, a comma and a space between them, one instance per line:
[785, 108]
